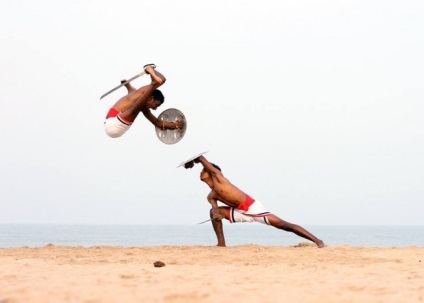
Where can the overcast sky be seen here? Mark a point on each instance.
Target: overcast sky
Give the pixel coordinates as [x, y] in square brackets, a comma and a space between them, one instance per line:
[314, 108]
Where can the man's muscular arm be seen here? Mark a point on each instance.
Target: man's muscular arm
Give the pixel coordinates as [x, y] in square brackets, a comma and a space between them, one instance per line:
[208, 166]
[160, 123]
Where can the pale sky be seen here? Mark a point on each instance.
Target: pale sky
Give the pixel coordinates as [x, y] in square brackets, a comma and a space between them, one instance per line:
[315, 108]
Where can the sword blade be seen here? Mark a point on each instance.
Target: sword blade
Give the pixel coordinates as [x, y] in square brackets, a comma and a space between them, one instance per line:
[215, 217]
[122, 84]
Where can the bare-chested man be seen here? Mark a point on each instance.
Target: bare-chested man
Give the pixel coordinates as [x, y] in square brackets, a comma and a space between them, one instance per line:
[123, 113]
[241, 207]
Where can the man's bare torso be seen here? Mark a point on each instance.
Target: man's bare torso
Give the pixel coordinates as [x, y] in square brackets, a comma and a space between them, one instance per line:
[224, 191]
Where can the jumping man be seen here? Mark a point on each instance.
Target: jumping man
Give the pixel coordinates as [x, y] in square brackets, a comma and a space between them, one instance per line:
[124, 112]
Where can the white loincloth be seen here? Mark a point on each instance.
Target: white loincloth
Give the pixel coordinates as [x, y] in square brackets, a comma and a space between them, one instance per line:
[256, 213]
[115, 127]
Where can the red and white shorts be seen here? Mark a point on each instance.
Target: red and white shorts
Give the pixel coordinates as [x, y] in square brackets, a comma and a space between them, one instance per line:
[115, 126]
[249, 211]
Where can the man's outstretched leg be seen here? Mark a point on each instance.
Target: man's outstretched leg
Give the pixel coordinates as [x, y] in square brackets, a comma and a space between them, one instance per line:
[298, 230]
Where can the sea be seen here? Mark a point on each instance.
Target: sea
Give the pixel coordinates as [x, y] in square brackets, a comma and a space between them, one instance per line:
[38, 235]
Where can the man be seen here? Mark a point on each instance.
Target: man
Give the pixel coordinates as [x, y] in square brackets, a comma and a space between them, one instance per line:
[241, 207]
[123, 113]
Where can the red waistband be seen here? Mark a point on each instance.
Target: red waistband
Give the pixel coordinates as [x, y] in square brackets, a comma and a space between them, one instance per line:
[112, 113]
[246, 204]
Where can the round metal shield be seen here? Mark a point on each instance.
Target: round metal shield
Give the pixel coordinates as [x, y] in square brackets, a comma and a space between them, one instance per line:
[171, 136]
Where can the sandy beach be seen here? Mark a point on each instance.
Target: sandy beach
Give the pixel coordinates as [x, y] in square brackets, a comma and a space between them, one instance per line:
[247, 273]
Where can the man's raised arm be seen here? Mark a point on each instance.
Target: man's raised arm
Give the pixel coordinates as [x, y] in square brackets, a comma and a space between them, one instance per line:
[207, 165]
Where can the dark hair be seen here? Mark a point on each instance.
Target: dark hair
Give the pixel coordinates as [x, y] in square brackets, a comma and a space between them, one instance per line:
[157, 95]
[216, 166]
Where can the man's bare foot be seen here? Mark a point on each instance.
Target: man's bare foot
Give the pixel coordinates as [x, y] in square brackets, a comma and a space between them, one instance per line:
[129, 87]
[320, 244]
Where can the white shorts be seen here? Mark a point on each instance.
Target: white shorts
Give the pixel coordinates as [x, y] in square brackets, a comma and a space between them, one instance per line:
[256, 213]
[116, 127]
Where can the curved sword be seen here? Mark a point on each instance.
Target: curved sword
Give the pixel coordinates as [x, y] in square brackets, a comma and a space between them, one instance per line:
[128, 81]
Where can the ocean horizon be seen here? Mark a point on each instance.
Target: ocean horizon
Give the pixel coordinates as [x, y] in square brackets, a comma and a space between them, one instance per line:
[37, 235]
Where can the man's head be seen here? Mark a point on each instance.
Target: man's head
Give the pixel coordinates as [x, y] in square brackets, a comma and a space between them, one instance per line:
[156, 99]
